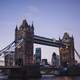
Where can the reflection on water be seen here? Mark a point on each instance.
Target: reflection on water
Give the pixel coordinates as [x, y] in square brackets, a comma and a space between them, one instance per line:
[58, 78]
[44, 77]
[64, 78]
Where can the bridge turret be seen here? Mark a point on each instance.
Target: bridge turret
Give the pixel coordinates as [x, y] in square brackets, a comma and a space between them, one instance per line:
[24, 23]
[59, 39]
[16, 29]
[24, 53]
[24, 26]
[16, 33]
[32, 28]
[67, 52]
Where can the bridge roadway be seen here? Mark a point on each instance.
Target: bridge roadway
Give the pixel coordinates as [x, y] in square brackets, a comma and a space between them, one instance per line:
[18, 67]
[47, 41]
[9, 67]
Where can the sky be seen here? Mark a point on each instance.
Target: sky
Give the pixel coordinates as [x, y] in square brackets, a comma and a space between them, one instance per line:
[51, 18]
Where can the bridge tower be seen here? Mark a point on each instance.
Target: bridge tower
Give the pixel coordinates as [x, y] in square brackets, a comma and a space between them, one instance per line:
[24, 44]
[67, 56]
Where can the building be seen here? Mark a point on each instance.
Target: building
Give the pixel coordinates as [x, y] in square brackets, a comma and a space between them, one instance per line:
[44, 62]
[2, 61]
[55, 60]
[38, 55]
[24, 44]
[67, 53]
[9, 60]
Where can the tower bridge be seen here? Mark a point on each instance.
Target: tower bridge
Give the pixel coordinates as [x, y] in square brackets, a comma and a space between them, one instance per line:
[23, 46]
[19, 54]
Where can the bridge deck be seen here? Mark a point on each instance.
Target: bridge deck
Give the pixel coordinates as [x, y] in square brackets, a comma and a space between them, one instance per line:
[47, 41]
[9, 67]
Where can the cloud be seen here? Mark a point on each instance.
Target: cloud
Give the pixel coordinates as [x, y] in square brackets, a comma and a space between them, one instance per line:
[33, 9]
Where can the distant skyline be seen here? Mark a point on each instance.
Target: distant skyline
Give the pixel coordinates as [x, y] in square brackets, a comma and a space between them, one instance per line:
[51, 19]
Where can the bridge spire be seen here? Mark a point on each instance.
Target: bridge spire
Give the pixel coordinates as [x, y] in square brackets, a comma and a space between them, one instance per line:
[24, 22]
[24, 25]
[32, 28]
[16, 29]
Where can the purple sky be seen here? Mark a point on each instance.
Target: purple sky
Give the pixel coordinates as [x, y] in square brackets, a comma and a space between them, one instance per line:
[51, 19]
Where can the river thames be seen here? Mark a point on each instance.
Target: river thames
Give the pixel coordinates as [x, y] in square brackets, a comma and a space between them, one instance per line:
[58, 78]
[45, 77]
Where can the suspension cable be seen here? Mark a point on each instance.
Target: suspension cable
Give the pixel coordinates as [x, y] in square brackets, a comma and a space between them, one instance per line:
[7, 47]
[77, 53]
[11, 45]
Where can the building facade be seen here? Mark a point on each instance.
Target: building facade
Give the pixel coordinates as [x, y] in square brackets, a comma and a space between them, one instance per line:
[67, 52]
[9, 60]
[44, 62]
[55, 60]
[24, 44]
[38, 55]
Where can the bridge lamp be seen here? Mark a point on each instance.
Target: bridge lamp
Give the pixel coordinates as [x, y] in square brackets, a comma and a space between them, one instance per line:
[18, 46]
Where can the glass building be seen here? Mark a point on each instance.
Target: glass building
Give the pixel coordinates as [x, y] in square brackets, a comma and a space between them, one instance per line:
[38, 55]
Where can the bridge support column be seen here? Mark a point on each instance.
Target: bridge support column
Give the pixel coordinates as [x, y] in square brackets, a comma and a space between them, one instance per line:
[24, 44]
[29, 71]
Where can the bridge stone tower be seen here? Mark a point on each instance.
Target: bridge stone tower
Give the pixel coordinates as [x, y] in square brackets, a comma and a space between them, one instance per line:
[67, 53]
[24, 44]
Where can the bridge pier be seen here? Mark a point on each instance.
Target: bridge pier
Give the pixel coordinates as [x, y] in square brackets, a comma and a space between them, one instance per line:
[28, 71]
